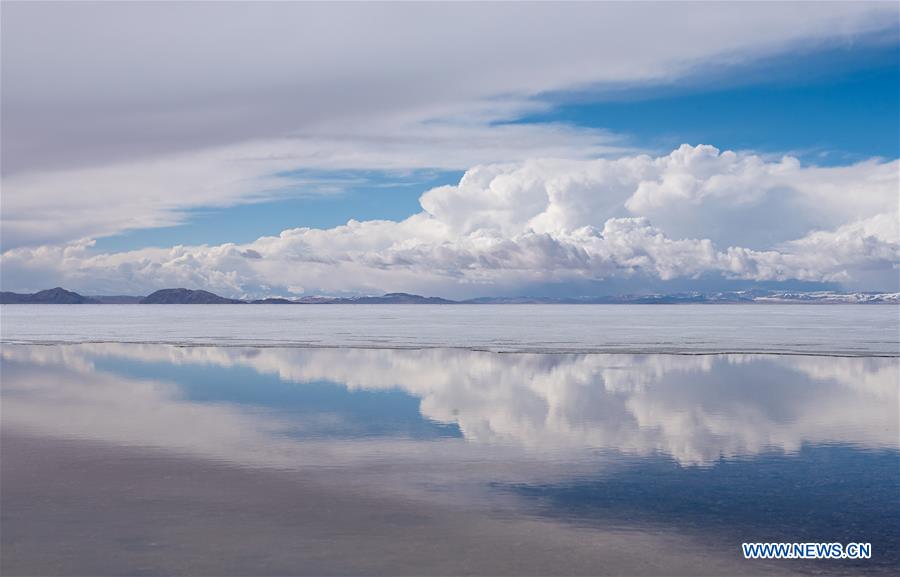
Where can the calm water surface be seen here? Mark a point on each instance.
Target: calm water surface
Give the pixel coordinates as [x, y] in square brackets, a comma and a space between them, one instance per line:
[158, 459]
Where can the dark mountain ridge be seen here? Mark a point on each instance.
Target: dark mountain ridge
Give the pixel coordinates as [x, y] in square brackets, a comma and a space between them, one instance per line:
[117, 299]
[59, 295]
[183, 296]
[398, 299]
[54, 296]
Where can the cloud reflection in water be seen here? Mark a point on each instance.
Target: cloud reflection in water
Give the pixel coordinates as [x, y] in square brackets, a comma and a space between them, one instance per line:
[695, 409]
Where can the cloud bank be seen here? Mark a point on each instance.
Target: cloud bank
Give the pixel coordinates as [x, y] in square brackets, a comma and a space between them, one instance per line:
[550, 405]
[144, 111]
[60, 206]
[127, 116]
[94, 84]
[694, 213]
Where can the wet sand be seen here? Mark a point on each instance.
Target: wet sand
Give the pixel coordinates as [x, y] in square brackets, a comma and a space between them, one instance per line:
[85, 508]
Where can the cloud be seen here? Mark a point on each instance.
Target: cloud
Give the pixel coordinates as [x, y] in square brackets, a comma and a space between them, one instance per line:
[136, 80]
[61, 206]
[144, 111]
[512, 225]
[860, 251]
[558, 404]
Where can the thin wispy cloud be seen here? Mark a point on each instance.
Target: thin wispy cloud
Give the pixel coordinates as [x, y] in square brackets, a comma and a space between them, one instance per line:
[511, 225]
[120, 117]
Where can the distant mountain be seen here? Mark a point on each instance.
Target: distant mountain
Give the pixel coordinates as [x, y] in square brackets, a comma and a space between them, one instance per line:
[398, 299]
[513, 301]
[390, 298]
[54, 296]
[595, 300]
[317, 300]
[183, 296]
[117, 299]
[186, 296]
[751, 296]
[828, 297]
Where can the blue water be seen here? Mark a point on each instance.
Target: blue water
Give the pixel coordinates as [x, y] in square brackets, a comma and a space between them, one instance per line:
[705, 451]
[361, 413]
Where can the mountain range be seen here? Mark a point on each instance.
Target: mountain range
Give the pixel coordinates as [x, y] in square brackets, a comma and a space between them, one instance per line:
[60, 295]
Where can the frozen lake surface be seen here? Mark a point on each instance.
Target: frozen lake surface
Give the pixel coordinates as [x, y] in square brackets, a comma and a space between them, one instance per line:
[804, 329]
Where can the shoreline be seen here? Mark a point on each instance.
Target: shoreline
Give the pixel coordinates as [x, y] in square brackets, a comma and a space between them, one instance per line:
[474, 349]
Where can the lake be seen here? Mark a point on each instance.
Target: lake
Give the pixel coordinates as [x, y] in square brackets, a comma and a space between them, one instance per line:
[813, 329]
[406, 450]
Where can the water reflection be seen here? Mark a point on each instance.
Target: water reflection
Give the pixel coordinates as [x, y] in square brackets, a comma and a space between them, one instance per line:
[722, 447]
[258, 403]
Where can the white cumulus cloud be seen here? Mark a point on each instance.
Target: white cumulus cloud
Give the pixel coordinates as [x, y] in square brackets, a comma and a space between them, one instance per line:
[689, 214]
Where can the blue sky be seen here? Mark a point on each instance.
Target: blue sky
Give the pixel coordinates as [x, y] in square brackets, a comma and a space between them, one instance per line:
[830, 107]
[837, 107]
[363, 195]
[478, 148]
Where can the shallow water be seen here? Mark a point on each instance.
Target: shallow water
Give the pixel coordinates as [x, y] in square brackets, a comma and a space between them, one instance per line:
[808, 329]
[157, 459]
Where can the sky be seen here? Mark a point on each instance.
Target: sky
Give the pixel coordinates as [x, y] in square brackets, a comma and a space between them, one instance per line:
[450, 149]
